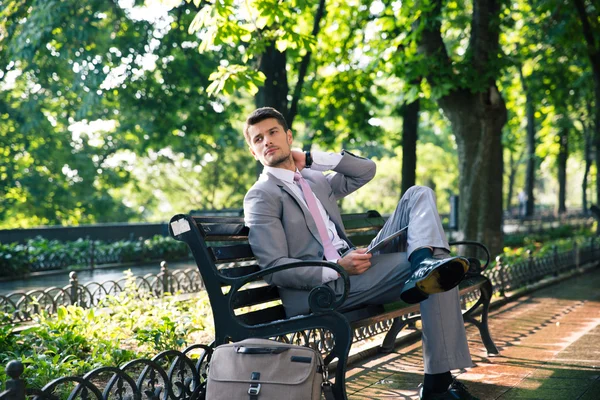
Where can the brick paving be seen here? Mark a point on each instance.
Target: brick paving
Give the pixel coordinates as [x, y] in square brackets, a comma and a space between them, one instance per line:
[549, 344]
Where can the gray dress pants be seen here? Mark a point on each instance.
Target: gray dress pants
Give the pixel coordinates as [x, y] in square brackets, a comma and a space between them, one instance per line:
[444, 340]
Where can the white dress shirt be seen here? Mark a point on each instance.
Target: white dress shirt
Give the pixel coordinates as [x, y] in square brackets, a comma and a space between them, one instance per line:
[321, 162]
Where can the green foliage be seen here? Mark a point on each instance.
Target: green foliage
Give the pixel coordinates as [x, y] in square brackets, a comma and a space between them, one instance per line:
[70, 343]
[14, 259]
[40, 253]
[83, 89]
[157, 325]
[561, 232]
[541, 249]
[250, 26]
[128, 326]
[109, 116]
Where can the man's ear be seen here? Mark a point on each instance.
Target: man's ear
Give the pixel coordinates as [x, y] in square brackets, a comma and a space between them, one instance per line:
[290, 137]
[253, 153]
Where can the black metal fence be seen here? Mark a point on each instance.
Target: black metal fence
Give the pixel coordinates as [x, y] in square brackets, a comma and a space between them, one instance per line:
[172, 374]
[177, 375]
[22, 306]
[510, 277]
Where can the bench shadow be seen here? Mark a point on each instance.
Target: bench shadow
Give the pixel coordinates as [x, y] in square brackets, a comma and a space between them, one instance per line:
[505, 378]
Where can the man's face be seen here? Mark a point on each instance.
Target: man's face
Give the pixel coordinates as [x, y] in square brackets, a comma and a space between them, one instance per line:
[269, 143]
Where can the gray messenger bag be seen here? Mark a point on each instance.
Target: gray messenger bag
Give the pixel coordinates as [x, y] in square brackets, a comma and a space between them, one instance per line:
[261, 369]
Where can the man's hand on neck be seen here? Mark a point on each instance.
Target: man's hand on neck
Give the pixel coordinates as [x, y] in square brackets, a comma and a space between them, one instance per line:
[299, 159]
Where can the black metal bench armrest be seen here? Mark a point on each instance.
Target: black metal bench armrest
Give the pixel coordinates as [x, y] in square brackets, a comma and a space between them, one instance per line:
[477, 244]
[321, 298]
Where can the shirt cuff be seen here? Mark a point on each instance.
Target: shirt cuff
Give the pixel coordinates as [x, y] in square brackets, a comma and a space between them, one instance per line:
[330, 274]
[323, 161]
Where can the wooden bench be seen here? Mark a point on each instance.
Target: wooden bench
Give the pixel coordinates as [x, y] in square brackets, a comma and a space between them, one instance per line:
[245, 306]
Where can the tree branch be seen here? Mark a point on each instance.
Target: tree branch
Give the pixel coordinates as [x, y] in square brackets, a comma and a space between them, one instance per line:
[304, 66]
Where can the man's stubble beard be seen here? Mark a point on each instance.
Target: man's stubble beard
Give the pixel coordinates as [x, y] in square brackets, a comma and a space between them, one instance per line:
[279, 161]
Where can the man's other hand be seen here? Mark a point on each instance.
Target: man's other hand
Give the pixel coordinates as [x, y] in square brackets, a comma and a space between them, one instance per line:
[299, 159]
[356, 262]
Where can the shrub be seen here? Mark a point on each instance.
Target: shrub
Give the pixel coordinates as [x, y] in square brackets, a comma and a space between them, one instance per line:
[42, 254]
[14, 260]
[77, 340]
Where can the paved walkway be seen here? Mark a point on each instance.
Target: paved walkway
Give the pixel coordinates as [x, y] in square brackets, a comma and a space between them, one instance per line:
[549, 344]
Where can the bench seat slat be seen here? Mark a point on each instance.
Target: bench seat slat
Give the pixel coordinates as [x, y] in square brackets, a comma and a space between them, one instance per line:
[263, 316]
[370, 316]
[236, 272]
[236, 252]
[254, 296]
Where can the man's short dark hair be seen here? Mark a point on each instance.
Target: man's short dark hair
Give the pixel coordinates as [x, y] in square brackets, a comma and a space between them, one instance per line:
[260, 114]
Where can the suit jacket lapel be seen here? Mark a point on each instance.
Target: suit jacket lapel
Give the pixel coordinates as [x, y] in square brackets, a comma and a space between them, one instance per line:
[310, 222]
[323, 197]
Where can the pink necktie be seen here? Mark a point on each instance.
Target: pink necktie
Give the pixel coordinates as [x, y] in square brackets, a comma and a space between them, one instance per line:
[330, 251]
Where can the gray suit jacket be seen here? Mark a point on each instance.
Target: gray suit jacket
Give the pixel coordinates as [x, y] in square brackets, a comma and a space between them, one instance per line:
[282, 229]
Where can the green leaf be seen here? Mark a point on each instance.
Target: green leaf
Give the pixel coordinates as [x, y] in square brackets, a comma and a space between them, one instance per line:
[282, 45]
[200, 20]
[61, 313]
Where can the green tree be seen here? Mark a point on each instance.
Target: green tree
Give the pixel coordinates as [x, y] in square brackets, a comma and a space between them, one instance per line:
[456, 48]
[588, 14]
[51, 66]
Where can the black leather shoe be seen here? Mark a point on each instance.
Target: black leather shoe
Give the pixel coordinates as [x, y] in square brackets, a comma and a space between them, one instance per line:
[456, 391]
[434, 276]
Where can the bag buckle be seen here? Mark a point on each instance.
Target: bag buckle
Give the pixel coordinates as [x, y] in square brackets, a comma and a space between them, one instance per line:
[254, 390]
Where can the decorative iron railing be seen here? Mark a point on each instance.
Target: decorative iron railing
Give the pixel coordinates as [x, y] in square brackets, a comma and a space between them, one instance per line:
[179, 375]
[22, 306]
[170, 375]
[509, 277]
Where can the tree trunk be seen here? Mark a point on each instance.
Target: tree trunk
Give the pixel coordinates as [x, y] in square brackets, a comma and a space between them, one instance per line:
[563, 155]
[594, 56]
[410, 135]
[477, 114]
[531, 159]
[477, 120]
[588, 164]
[274, 92]
[512, 173]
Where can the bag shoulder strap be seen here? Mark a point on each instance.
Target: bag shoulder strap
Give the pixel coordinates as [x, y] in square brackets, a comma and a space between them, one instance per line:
[328, 391]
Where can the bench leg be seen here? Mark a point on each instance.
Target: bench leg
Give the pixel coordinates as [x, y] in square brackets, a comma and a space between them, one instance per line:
[484, 331]
[343, 340]
[389, 342]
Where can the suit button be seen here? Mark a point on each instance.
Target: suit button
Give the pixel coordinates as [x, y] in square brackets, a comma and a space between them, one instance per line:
[320, 254]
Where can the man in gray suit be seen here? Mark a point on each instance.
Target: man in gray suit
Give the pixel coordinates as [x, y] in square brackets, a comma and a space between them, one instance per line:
[293, 216]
